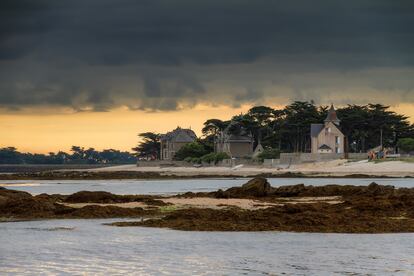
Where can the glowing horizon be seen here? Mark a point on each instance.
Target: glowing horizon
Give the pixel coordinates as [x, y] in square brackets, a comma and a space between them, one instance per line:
[117, 129]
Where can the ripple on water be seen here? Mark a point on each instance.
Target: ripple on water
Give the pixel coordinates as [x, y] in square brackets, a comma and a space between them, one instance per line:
[87, 246]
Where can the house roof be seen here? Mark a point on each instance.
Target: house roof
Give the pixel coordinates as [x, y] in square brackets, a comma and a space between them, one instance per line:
[239, 138]
[316, 129]
[325, 147]
[180, 135]
[332, 116]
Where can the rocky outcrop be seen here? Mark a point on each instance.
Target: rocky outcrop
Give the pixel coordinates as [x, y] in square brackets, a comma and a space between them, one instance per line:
[256, 187]
[21, 205]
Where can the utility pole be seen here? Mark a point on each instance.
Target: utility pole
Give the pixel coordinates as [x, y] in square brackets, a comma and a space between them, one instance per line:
[381, 138]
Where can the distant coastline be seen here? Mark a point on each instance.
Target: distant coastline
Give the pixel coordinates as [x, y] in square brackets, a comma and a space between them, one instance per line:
[331, 169]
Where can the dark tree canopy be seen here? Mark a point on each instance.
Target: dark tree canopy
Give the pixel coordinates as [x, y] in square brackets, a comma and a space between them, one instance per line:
[150, 145]
[79, 155]
[288, 129]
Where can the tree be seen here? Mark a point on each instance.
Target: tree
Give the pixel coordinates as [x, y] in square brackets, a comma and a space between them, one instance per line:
[150, 145]
[10, 155]
[406, 144]
[295, 126]
[269, 154]
[368, 126]
[211, 129]
[213, 126]
[192, 150]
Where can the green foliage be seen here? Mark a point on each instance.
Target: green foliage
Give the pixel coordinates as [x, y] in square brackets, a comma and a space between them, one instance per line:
[209, 158]
[406, 144]
[214, 157]
[196, 160]
[269, 154]
[193, 149]
[188, 159]
[220, 156]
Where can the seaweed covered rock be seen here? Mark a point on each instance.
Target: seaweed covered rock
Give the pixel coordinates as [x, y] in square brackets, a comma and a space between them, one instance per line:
[96, 211]
[22, 205]
[93, 197]
[290, 191]
[256, 187]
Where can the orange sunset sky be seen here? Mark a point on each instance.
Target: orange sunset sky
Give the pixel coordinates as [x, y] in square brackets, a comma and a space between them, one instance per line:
[117, 129]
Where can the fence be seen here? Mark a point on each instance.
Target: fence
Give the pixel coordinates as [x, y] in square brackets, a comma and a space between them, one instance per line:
[297, 158]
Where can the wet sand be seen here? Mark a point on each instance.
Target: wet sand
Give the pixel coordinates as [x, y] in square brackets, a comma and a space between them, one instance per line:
[255, 206]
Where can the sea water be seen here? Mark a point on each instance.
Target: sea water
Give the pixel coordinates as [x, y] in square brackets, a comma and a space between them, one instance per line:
[88, 247]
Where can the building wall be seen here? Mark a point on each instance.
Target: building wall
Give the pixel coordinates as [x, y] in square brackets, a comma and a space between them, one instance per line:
[240, 150]
[297, 158]
[169, 149]
[327, 137]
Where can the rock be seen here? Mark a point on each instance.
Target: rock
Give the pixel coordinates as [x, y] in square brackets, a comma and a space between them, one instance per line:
[290, 191]
[12, 194]
[92, 197]
[257, 187]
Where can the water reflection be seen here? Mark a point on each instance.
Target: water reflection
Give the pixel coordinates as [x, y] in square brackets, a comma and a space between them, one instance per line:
[93, 248]
[178, 186]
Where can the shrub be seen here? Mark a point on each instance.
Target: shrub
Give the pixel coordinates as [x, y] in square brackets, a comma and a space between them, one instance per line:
[221, 156]
[193, 149]
[196, 160]
[269, 154]
[208, 158]
[188, 159]
[406, 144]
[214, 157]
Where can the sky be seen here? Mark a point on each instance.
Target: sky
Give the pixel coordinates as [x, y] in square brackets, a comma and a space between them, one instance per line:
[96, 73]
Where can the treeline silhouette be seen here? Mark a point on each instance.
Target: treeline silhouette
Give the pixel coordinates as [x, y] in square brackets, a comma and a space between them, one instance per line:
[78, 155]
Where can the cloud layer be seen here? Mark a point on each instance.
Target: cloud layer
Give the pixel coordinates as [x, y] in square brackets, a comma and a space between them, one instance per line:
[164, 55]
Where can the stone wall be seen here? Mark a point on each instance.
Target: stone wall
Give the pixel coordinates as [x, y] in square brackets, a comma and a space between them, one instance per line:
[162, 163]
[297, 158]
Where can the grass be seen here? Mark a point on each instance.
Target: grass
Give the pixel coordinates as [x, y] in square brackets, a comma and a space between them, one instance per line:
[168, 208]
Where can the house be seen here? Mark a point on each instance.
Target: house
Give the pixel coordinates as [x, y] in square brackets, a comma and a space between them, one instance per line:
[327, 137]
[235, 141]
[172, 141]
[258, 150]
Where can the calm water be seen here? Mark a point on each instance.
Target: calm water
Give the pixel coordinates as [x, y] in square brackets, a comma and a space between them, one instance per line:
[38, 248]
[176, 186]
[86, 247]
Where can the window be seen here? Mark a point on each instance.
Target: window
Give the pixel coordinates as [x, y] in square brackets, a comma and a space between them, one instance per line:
[337, 150]
[337, 140]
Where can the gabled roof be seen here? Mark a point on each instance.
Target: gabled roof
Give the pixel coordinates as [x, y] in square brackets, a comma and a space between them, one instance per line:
[332, 117]
[180, 135]
[325, 147]
[233, 138]
[316, 129]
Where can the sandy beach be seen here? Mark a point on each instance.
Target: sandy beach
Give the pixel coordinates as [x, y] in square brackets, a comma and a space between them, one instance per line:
[336, 168]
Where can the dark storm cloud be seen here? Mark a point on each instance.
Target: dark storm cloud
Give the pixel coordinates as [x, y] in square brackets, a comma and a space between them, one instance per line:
[155, 54]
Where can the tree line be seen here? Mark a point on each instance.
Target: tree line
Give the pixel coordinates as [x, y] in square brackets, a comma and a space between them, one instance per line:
[288, 129]
[78, 155]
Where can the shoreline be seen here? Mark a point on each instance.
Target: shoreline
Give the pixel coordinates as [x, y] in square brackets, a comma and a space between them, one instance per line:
[329, 169]
[121, 175]
[254, 206]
